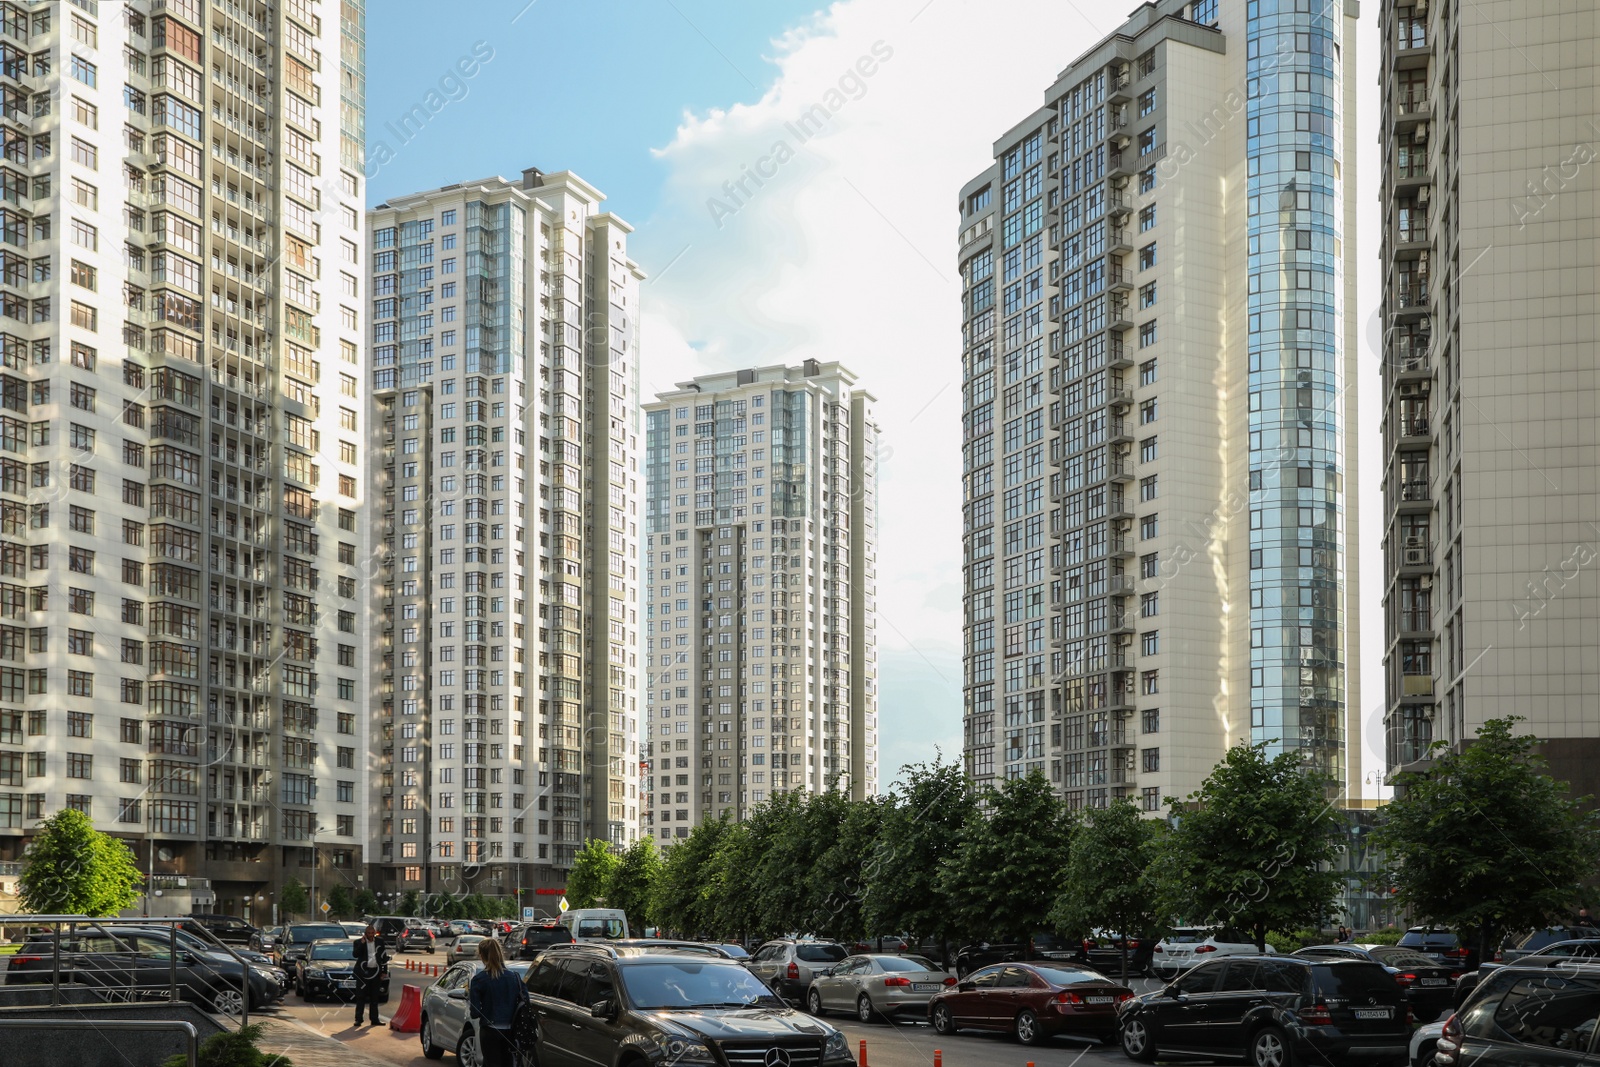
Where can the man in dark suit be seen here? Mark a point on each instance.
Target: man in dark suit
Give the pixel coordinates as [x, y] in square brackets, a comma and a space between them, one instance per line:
[371, 967]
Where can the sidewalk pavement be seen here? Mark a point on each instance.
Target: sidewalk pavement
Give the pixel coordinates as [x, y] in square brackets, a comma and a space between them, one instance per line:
[306, 1046]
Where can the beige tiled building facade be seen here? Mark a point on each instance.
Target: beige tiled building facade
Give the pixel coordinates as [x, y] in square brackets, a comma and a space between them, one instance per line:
[1159, 419]
[1492, 470]
[507, 609]
[761, 564]
[182, 499]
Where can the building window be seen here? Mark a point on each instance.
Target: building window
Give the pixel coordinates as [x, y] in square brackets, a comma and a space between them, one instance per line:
[1150, 642]
[1147, 256]
[1150, 798]
[80, 765]
[1150, 683]
[1150, 759]
[1147, 411]
[1150, 605]
[1149, 526]
[1150, 565]
[1147, 372]
[1150, 720]
[1147, 218]
[1147, 488]
[1147, 450]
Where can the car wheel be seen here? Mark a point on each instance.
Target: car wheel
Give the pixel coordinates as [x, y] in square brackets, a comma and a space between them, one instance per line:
[468, 1052]
[943, 1021]
[1425, 1055]
[429, 1049]
[1027, 1027]
[814, 1002]
[864, 1009]
[1137, 1043]
[1270, 1048]
[227, 1001]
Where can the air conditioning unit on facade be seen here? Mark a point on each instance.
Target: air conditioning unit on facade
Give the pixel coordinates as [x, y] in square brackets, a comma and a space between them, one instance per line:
[1424, 193]
[1421, 136]
[1416, 557]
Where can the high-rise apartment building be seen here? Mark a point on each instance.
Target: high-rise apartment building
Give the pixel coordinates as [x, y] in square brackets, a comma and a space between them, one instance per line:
[760, 560]
[506, 603]
[1489, 324]
[181, 489]
[1158, 418]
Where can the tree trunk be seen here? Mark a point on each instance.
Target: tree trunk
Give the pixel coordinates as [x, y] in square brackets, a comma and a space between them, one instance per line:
[1260, 930]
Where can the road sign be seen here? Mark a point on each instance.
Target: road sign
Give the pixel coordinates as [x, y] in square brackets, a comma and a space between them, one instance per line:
[326, 907]
[527, 915]
[563, 905]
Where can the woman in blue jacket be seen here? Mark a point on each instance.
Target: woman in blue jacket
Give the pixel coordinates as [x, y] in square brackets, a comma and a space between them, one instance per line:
[493, 997]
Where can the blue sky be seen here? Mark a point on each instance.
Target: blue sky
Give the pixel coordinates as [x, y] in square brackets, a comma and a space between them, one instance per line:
[583, 85]
[846, 251]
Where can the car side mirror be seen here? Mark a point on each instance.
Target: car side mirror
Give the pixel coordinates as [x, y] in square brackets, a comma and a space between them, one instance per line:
[457, 994]
[604, 1009]
[1174, 993]
[965, 987]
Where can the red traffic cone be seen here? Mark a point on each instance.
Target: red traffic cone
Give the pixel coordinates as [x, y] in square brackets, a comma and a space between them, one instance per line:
[408, 1018]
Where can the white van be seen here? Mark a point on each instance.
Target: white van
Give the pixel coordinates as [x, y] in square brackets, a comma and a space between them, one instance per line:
[595, 924]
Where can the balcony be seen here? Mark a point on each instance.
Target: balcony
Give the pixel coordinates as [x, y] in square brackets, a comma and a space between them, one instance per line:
[1408, 355]
[1118, 278]
[1121, 623]
[1416, 622]
[1117, 357]
[1411, 106]
[1119, 468]
[1414, 556]
[1118, 431]
[1120, 585]
[1119, 165]
[1416, 492]
[1411, 297]
[1118, 241]
[1117, 91]
[1411, 235]
[1119, 398]
[1118, 203]
[1117, 315]
[1415, 431]
[1118, 508]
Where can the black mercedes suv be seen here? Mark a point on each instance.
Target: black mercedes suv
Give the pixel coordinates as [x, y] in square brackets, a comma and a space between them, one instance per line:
[621, 1006]
[1272, 1011]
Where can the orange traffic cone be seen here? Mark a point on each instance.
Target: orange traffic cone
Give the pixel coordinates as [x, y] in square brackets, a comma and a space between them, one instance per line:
[938, 1058]
[863, 1061]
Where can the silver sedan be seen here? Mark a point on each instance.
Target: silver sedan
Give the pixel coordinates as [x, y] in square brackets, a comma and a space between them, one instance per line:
[877, 986]
[445, 1024]
[462, 948]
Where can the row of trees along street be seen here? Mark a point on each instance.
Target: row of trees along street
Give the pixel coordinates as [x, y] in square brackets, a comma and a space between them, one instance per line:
[1483, 842]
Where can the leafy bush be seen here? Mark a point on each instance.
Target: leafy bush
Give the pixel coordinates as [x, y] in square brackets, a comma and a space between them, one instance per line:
[1388, 936]
[233, 1048]
[1286, 941]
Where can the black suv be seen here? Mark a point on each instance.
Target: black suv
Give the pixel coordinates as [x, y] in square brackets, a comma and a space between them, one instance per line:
[612, 1005]
[1273, 1011]
[1526, 1015]
[1040, 946]
[402, 934]
[229, 929]
[528, 941]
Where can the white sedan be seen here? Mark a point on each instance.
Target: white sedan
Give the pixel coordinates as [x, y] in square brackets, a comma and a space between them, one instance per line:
[1189, 945]
[876, 986]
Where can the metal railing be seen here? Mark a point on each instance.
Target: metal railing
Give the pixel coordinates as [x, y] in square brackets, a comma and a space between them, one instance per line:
[80, 924]
[191, 1037]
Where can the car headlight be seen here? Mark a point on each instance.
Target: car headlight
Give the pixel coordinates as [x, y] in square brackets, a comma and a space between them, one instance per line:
[688, 1052]
[837, 1048]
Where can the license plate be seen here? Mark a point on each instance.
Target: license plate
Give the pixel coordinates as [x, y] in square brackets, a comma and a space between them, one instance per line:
[347, 985]
[1371, 1013]
[924, 987]
[1434, 981]
[1101, 1000]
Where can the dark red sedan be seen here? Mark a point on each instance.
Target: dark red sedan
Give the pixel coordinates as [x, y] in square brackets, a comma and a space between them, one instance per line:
[1032, 1002]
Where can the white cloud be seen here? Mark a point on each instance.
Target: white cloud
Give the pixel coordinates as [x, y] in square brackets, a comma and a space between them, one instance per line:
[847, 251]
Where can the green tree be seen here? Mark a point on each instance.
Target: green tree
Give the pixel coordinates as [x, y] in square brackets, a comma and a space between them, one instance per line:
[1484, 841]
[1007, 864]
[293, 898]
[339, 903]
[919, 834]
[683, 903]
[366, 902]
[410, 903]
[589, 881]
[839, 879]
[1110, 879]
[70, 868]
[633, 884]
[801, 830]
[1253, 846]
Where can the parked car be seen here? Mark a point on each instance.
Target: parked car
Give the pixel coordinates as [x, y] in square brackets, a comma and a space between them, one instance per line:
[1443, 945]
[1525, 1015]
[678, 948]
[1528, 944]
[229, 929]
[877, 986]
[464, 947]
[445, 1023]
[402, 933]
[266, 941]
[136, 963]
[1102, 951]
[297, 939]
[1429, 986]
[788, 966]
[1562, 952]
[1031, 1001]
[354, 929]
[1039, 946]
[1188, 945]
[329, 971]
[1423, 1042]
[734, 952]
[880, 944]
[595, 1002]
[527, 941]
[1272, 1011]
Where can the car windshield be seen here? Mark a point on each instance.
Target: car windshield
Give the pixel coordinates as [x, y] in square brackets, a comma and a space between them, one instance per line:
[682, 984]
[611, 929]
[905, 963]
[342, 951]
[301, 934]
[1063, 976]
[1402, 957]
[1047, 941]
[820, 953]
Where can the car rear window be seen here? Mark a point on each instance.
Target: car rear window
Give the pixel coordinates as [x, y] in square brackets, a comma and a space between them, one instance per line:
[1346, 981]
[1400, 957]
[1540, 938]
[1434, 939]
[1186, 937]
[547, 936]
[1062, 976]
[905, 963]
[820, 953]
[315, 933]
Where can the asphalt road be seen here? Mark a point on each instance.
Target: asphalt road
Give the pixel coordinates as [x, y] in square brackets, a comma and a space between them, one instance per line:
[898, 1044]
